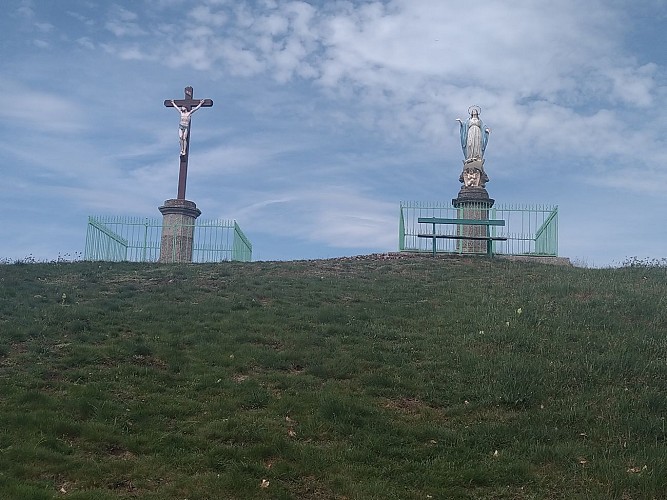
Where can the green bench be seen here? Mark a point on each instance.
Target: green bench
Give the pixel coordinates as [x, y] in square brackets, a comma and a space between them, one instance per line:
[462, 222]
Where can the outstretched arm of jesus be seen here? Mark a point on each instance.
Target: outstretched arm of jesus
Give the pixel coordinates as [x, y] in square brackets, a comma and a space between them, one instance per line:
[197, 106]
[175, 106]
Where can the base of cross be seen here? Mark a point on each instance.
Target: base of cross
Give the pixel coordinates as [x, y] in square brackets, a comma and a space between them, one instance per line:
[177, 206]
[178, 227]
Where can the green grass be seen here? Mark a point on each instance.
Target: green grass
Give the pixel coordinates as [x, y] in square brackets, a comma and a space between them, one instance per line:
[351, 378]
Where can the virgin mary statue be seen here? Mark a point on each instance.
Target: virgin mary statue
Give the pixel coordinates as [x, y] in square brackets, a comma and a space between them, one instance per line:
[474, 136]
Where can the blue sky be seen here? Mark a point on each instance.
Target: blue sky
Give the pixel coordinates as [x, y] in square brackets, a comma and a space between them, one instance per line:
[328, 113]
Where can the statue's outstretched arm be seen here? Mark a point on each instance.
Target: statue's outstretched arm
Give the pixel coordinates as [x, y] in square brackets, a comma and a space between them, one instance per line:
[201, 103]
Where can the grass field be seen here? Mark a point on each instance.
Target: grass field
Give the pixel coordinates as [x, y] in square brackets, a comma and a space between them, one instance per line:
[360, 378]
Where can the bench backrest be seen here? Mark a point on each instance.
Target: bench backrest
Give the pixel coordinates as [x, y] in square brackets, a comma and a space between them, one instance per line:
[462, 222]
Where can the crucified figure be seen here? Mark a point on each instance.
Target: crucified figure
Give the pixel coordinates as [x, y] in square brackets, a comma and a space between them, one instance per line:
[184, 124]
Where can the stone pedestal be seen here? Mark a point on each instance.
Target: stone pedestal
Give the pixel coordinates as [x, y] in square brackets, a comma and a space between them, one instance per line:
[178, 226]
[473, 202]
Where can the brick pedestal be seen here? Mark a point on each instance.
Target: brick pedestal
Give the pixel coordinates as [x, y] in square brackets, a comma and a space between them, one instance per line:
[178, 227]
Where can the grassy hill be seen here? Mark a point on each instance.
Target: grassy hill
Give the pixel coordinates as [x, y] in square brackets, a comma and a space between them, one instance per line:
[356, 378]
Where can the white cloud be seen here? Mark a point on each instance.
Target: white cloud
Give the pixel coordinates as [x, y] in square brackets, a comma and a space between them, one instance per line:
[247, 158]
[85, 20]
[44, 27]
[41, 110]
[203, 14]
[634, 86]
[41, 44]
[336, 216]
[123, 23]
[86, 43]
[26, 9]
[133, 53]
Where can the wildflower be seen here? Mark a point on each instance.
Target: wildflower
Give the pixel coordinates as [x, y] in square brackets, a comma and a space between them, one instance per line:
[264, 483]
[519, 311]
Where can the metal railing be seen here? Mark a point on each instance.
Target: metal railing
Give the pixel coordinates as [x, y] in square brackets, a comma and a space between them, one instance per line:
[529, 229]
[138, 239]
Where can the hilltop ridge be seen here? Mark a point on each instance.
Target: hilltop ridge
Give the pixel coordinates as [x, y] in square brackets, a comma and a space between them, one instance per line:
[361, 377]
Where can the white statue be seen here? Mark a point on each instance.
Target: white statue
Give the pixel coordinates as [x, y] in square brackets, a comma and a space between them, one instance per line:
[184, 124]
[474, 136]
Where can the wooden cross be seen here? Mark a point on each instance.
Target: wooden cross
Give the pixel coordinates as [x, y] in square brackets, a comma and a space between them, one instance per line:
[189, 104]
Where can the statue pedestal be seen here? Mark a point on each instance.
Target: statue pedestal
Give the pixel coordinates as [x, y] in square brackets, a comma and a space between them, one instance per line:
[178, 227]
[473, 202]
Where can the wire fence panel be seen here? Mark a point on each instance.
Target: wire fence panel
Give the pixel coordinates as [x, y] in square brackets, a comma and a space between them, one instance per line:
[529, 229]
[138, 239]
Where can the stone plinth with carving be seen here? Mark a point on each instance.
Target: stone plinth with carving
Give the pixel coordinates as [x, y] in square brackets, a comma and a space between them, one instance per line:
[178, 227]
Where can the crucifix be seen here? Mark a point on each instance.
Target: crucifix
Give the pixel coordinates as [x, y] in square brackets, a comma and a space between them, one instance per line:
[185, 107]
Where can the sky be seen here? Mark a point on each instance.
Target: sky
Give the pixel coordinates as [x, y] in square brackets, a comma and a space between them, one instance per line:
[327, 114]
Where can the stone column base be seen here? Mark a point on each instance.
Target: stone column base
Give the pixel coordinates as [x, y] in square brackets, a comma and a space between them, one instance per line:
[473, 203]
[178, 227]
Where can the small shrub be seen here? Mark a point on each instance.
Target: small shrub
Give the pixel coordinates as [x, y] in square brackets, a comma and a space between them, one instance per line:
[142, 350]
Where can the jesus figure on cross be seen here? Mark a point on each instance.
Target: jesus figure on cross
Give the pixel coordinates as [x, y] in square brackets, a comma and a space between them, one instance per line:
[184, 124]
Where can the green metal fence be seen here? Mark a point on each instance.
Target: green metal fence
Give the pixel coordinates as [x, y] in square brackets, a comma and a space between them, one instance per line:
[529, 229]
[137, 239]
